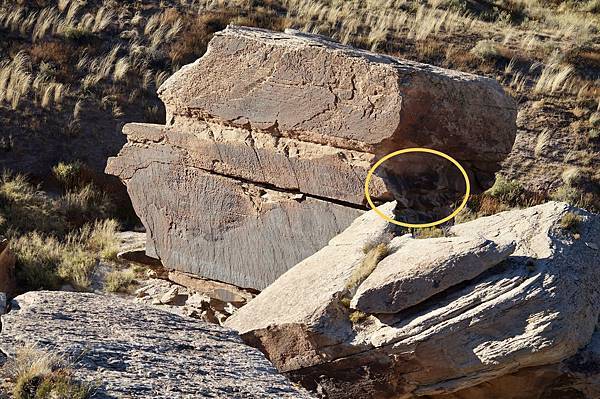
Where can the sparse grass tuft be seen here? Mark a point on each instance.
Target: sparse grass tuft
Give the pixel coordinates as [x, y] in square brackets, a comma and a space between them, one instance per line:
[374, 253]
[34, 374]
[571, 195]
[68, 174]
[357, 316]
[571, 222]
[119, 280]
[429, 232]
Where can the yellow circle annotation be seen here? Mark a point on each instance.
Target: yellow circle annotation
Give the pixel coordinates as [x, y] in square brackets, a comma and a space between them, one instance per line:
[425, 150]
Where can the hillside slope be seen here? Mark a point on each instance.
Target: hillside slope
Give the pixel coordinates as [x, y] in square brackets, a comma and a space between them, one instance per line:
[72, 73]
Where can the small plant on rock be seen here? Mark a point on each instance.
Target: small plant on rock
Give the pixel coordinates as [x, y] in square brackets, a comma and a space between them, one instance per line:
[429, 232]
[571, 222]
[374, 253]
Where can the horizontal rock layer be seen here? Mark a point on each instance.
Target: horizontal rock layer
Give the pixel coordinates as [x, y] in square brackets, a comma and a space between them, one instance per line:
[270, 136]
[536, 309]
[136, 351]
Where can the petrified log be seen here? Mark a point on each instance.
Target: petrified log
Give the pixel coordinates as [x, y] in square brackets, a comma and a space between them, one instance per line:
[269, 138]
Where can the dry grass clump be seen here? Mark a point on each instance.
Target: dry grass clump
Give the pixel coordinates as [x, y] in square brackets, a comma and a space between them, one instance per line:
[119, 280]
[374, 253]
[429, 232]
[571, 222]
[490, 50]
[24, 207]
[34, 374]
[69, 175]
[45, 262]
[53, 238]
[357, 316]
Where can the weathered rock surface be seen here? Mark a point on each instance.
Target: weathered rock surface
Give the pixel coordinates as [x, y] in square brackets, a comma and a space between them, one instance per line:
[135, 351]
[535, 311]
[212, 301]
[420, 269]
[269, 138]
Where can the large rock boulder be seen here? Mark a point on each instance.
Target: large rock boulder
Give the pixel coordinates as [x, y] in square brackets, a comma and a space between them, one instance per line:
[269, 138]
[136, 351]
[523, 301]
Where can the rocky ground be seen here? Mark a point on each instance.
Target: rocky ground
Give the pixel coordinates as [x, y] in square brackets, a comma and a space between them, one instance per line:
[128, 350]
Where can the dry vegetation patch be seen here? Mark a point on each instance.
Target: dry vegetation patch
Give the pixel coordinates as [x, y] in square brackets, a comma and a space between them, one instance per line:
[34, 374]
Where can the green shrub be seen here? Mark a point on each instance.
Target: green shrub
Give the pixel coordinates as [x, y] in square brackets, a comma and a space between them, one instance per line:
[507, 191]
[79, 36]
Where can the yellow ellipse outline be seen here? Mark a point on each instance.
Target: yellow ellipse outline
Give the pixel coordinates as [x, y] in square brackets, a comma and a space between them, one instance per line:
[425, 150]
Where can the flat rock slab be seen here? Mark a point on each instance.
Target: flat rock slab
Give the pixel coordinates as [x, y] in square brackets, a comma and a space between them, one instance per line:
[420, 269]
[136, 351]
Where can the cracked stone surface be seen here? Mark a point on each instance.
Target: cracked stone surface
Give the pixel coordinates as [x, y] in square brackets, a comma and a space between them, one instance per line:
[136, 351]
[535, 313]
[269, 138]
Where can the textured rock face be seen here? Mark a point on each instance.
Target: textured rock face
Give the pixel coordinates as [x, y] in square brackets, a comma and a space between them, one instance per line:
[529, 314]
[136, 351]
[420, 269]
[269, 138]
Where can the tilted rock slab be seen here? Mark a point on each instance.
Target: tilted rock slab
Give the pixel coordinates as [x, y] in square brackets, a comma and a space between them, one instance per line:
[269, 138]
[537, 308]
[136, 351]
[420, 269]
